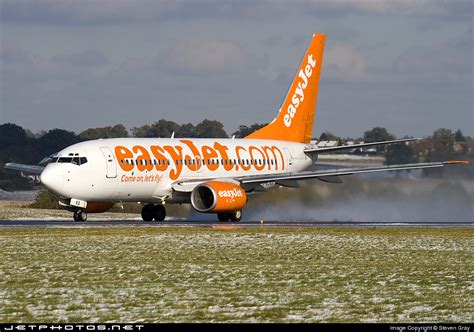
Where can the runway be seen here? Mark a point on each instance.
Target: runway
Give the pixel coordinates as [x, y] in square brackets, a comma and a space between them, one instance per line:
[222, 225]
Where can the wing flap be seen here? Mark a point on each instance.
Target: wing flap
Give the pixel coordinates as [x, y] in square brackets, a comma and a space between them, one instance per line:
[330, 179]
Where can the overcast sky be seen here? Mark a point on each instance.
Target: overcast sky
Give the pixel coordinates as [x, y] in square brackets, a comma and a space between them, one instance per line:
[406, 65]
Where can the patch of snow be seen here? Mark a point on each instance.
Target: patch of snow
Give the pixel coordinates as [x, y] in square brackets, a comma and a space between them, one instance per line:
[27, 195]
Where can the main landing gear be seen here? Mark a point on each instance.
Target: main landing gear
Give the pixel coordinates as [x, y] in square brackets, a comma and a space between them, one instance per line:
[230, 216]
[151, 211]
[80, 215]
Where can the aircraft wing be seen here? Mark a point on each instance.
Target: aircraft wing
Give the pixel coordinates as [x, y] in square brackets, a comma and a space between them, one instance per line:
[329, 173]
[326, 175]
[32, 169]
[355, 146]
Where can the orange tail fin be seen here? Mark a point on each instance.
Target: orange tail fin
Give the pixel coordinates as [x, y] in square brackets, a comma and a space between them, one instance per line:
[294, 121]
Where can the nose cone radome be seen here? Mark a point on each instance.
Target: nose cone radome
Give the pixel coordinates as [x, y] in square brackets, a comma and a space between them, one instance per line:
[52, 178]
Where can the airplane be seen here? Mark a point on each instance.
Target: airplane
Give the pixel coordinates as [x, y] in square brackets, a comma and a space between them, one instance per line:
[215, 176]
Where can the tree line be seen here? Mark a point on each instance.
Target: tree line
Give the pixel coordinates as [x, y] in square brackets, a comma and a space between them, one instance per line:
[444, 144]
[23, 146]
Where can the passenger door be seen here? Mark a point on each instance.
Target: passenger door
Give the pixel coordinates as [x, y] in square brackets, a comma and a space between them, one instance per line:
[111, 165]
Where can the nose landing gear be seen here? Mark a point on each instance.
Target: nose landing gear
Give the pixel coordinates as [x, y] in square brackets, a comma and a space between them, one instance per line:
[151, 211]
[80, 215]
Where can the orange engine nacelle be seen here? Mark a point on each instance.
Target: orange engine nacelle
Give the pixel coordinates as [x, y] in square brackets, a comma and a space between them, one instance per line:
[216, 197]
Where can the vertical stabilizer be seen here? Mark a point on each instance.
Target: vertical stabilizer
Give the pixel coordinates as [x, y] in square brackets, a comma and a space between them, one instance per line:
[294, 121]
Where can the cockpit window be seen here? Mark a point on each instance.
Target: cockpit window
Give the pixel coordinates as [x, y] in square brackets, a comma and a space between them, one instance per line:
[71, 160]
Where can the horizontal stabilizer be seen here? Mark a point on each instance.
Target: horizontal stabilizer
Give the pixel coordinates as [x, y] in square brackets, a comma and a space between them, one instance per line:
[32, 169]
[355, 146]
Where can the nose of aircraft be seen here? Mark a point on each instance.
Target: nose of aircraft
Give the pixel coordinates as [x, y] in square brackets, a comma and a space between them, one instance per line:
[52, 178]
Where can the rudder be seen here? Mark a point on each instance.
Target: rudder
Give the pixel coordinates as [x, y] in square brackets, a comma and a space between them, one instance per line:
[294, 121]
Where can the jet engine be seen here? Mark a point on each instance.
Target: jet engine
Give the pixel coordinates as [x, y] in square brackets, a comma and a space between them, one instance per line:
[217, 197]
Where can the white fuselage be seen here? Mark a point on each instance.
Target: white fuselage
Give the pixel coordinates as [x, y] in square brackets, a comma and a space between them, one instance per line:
[146, 169]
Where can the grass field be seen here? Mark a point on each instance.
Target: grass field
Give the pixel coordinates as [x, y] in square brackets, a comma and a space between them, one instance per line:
[127, 274]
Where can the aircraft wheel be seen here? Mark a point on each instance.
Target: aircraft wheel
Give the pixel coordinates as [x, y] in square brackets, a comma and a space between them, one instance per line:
[223, 216]
[76, 216]
[82, 215]
[147, 212]
[236, 216]
[159, 212]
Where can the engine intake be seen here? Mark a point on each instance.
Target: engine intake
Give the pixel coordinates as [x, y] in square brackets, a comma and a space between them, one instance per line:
[216, 197]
